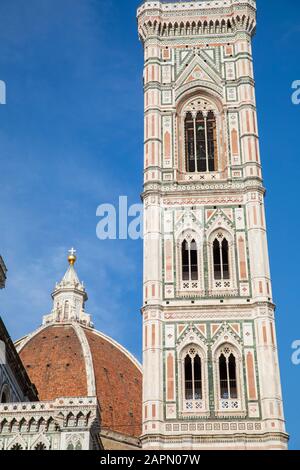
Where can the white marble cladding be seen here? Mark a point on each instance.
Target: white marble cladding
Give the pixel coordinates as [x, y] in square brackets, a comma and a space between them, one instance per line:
[28, 426]
[198, 59]
[213, 427]
[44, 406]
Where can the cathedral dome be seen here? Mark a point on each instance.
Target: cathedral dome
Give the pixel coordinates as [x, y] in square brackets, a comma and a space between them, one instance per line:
[67, 357]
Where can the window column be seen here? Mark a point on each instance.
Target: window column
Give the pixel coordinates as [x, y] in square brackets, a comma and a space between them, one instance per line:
[195, 142]
[206, 142]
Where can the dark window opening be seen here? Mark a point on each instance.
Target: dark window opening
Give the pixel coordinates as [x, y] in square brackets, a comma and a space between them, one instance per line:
[188, 378]
[194, 261]
[201, 142]
[221, 259]
[185, 262]
[232, 376]
[217, 260]
[193, 378]
[225, 258]
[228, 379]
[4, 398]
[189, 257]
[223, 377]
[198, 378]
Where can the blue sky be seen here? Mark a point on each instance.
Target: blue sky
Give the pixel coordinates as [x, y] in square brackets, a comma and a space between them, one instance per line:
[71, 138]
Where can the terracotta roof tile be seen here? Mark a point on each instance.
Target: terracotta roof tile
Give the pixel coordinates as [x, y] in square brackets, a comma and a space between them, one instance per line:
[55, 362]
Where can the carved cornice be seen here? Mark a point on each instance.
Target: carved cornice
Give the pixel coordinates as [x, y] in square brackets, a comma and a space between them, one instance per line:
[197, 190]
[188, 19]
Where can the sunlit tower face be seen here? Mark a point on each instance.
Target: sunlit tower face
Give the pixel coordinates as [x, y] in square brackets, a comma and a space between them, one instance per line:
[211, 377]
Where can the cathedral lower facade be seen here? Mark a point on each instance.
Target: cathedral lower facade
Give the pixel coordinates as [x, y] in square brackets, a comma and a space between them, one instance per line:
[211, 373]
[210, 378]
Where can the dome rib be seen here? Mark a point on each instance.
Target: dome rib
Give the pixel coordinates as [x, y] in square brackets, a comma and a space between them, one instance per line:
[89, 366]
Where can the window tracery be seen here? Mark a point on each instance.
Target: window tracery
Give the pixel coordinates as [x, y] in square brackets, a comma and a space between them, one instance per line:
[193, 378]
[228, 379]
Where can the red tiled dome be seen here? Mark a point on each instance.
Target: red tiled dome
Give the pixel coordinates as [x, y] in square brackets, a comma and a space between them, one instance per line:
[70, 360]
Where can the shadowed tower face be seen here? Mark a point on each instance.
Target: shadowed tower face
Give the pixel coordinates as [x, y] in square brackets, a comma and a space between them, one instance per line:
[211, 373]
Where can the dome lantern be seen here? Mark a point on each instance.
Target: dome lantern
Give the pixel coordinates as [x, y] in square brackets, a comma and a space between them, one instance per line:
[69, 297]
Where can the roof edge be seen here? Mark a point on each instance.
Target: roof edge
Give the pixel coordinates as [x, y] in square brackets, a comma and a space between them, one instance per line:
[119, 346]
[22, 342]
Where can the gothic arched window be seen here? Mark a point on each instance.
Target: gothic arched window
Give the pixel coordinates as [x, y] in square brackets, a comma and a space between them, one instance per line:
[192, 376]
[228, 375]
[201, 142]
[221, 258]
[189, 256]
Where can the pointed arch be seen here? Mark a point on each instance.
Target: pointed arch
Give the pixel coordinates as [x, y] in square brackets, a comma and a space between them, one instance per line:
[192, 376]
[14, 426]
[193, 380]
[189, 256]
[4, 426]
[32, 425]
[229, 377]
[200, 117]
[41, 442]
[23, 426]
[222, 256]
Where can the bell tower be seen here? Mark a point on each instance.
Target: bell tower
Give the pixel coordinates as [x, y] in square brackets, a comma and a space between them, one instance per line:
[211, 372]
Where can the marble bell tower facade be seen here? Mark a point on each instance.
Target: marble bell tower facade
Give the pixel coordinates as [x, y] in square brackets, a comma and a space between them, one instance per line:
[211, 372]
